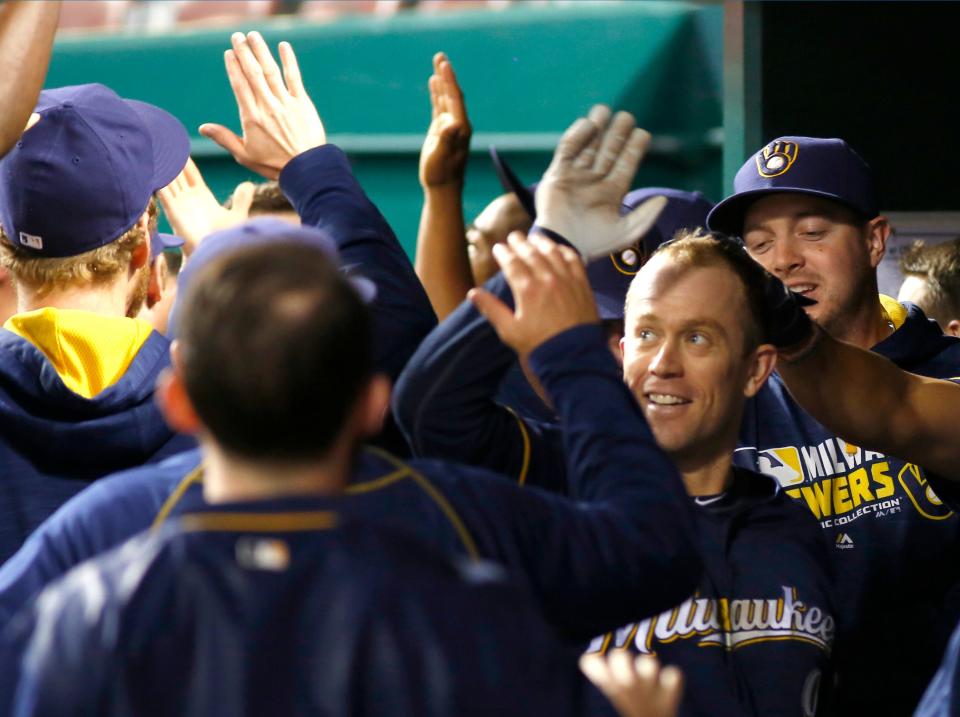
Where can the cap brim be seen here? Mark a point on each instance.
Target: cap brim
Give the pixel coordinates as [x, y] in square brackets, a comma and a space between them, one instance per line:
[511, 182]
[171, 142]
[727, 216]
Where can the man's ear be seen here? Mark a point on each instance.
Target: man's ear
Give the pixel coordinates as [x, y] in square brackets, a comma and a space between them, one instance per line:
[373, 405]
[878, 232]
[763, 361]
[952, 328]
[158, 280]
[171, 396]
[141, 255]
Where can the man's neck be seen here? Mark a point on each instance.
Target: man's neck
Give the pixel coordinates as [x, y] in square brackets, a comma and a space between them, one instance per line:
[108, 300]
[228, 479]
[707, 477]
[865, 327]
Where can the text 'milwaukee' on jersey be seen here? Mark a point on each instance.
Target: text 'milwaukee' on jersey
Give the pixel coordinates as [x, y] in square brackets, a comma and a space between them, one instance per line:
[895, 544]
[757, 636]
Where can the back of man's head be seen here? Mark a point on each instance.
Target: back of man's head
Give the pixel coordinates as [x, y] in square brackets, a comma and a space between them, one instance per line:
[933, 281]
[274, 349]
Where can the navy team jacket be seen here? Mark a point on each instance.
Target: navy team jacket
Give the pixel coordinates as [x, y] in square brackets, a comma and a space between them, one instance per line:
[625, 549]
[53, 441]
[444, 402]
[299, 612]
[756, 638]
[893, 542]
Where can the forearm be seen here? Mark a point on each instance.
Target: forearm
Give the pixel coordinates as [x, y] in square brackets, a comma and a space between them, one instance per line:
[869, 401]
[322, 188]
[27, 29]
[441, 259]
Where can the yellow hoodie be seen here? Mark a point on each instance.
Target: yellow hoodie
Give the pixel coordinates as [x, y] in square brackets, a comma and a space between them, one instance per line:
[90, 352]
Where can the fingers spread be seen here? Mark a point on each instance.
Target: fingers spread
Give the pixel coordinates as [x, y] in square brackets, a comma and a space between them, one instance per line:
[242, 91]
[225, 138]
[269, 66]
[251, 68]
[614, 140]
[625, 167]
[577, 137]
[291, 71]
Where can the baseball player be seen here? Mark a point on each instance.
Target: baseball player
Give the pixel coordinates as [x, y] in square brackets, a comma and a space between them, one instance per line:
[272, 599]
[76, 372]
[807, 211]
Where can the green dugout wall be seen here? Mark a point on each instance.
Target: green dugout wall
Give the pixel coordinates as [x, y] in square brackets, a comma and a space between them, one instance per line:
[527, 72]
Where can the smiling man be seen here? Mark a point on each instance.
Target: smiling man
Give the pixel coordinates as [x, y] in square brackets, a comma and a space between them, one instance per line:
[698, 344]
[808, 212]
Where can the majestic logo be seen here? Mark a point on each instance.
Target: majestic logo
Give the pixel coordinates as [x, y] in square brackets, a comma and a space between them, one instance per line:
[781, 463]
[628, 261]
[776, 158]
[728, 624]
[844, 541]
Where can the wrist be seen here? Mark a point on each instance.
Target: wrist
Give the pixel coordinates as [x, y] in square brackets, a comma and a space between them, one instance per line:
[798, 352]
[443, 190]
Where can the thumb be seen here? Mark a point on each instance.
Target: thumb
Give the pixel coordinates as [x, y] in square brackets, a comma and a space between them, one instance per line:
[641, 220]
[224, 137]
[493, 310]
[243, 198]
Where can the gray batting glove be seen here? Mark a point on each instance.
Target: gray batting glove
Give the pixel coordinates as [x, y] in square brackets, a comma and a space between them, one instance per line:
[581, 192]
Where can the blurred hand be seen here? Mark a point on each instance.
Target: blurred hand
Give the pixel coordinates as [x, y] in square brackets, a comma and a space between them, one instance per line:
[637, 688]
[581, 192]
[550, 292]
[193, 211]
[277, 117]
[443, 158]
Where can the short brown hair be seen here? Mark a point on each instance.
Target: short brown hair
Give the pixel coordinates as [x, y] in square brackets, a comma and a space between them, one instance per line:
[97, 266]
[699, 248]
[939, 267]
[268, 198]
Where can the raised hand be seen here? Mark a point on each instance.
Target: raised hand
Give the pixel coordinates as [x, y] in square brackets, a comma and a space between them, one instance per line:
[636, 687]
[193, 211]
[277, 117]
[550, 290]
[443, 158]
[581, 192]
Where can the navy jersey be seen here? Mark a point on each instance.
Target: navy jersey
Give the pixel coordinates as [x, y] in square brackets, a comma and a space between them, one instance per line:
[625, 549]
[893, 542]
[756, 638]
[444, 402]
[297, 613]
[54, 441]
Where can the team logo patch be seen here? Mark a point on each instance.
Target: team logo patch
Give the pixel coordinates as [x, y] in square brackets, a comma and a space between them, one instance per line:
[921, 494]
[776, 158]
[628, 261]
[782, 464]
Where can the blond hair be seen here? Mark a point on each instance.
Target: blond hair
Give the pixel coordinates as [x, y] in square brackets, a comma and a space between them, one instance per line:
[97, 266]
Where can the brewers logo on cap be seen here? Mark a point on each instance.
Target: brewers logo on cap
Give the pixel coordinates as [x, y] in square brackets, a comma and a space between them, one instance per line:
[628, 261]
[776, 158]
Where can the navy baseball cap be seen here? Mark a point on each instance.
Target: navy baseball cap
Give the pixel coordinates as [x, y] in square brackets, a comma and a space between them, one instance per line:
[826, 168]
[83, 174]
[159, 242]
[610, 276]
[262, 230]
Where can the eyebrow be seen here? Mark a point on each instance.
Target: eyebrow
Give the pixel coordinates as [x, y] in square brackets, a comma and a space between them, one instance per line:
[692, 324]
